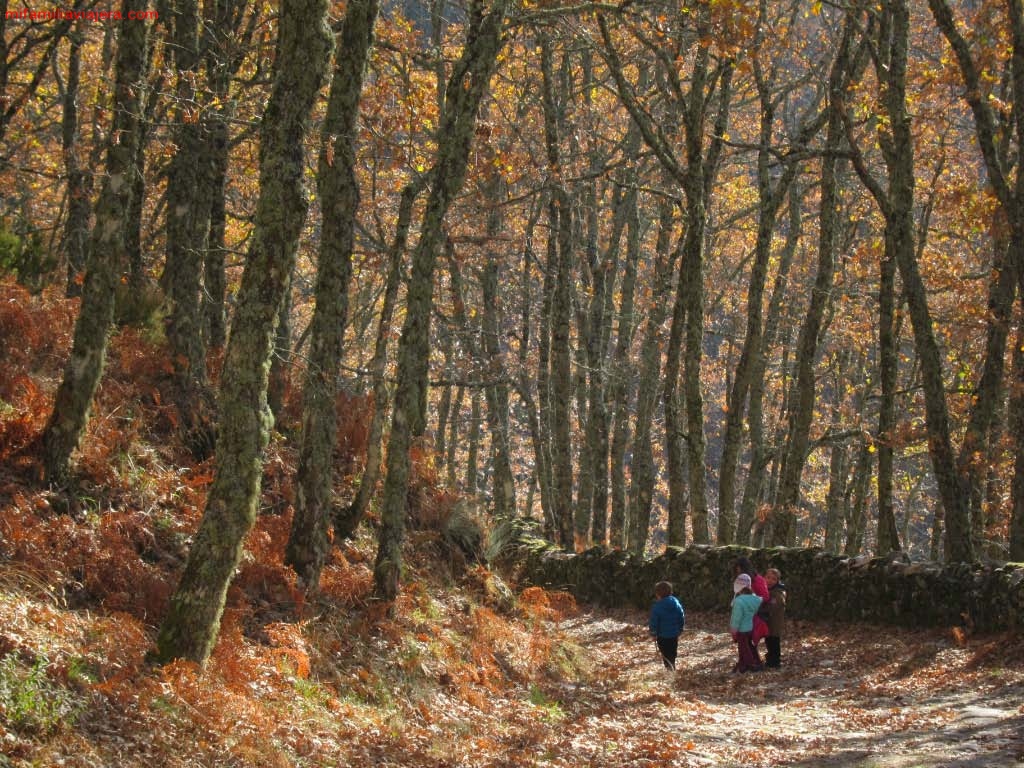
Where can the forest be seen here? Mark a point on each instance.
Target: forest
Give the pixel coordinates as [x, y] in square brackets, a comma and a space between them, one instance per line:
[301, 299]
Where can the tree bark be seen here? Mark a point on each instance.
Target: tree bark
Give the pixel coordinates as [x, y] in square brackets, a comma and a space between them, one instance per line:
[560, 253]
[643, 470]
[496, 392]
[107, 259]
[304, 45]
[308, 544]
[76, 227]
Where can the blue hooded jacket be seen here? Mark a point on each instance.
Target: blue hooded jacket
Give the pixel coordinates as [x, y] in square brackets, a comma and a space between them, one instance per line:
[667, 617]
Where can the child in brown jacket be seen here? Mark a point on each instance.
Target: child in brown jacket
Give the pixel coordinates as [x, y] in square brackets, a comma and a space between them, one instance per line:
[776, 617]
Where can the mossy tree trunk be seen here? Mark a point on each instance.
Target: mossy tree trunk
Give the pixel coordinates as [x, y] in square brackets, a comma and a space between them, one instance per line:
[107, 259]
[467, 85]
[303, 48]
[309, 544]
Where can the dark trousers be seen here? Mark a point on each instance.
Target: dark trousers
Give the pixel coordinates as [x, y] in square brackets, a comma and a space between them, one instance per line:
[773, 644]
[669, 647]
[749, 659]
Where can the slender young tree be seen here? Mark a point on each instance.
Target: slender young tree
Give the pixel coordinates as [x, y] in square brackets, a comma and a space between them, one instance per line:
[467, 85]
[346, 520]
[303, 50]
[560, 257]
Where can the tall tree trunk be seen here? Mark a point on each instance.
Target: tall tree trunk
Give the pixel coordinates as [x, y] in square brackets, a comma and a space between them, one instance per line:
[535, 422]
[598, 336]
[760, 456]
[802, 408]
[466, 87]
[643, 470]
[621, 381]
[496, 392]
[303, 49]
[76, 227]
[107, 256]
[308, 544]
[560, 252]
[888, 538]
[346, 521]
[188, 207]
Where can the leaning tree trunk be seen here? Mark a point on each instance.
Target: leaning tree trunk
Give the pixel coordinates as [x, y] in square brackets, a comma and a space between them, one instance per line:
[309, 544]
[107, 256]
[303, 50]
[467, 85]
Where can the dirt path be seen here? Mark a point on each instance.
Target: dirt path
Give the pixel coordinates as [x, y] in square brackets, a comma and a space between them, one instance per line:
[872, 698]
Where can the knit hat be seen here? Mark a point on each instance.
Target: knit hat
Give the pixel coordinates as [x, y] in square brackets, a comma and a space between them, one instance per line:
[742, 582]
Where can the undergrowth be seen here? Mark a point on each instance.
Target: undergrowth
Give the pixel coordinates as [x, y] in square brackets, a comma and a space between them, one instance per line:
[332, 679]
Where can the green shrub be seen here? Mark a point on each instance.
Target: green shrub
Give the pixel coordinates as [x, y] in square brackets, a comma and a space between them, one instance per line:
[30, 701]
[25, 256]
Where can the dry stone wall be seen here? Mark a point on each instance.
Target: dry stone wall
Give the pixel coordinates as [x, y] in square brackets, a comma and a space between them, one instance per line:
[820, 586]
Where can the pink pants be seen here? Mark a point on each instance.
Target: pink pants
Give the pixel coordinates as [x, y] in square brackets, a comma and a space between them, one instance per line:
[750, 660]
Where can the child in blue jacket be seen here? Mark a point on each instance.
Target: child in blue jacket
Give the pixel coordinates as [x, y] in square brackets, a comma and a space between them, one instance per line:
[666, 623]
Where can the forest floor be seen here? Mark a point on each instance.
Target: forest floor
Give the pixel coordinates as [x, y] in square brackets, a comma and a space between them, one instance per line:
[446, 682]
[859, 696]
